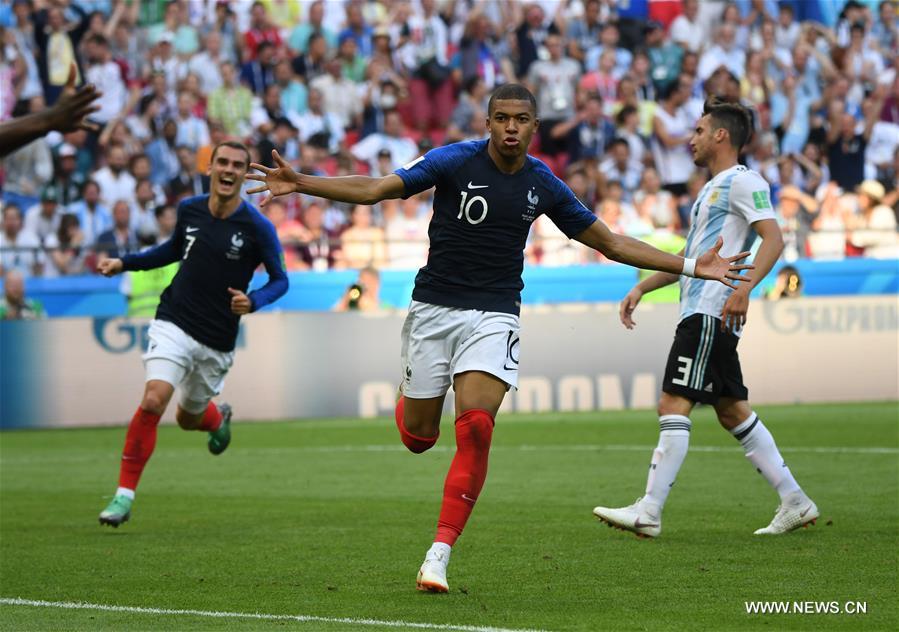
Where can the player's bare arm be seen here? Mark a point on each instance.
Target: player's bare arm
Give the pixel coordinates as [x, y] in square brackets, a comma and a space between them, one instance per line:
[710, 266]
[283, 180]
[733, 316]
[649, 284]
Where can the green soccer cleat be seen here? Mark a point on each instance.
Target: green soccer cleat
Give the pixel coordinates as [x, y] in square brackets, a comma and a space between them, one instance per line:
[219, 439]
[117, 511]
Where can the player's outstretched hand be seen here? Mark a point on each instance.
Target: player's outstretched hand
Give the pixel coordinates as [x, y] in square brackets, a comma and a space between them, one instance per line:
[74, 105]
[628, 305]
[109, 267]
[240, 302]
[714, 267]
[279, 180]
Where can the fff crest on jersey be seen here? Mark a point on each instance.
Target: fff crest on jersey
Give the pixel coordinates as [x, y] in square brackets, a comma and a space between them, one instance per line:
[236, 244]
[533, 201]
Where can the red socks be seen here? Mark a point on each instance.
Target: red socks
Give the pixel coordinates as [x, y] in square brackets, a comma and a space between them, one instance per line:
[474, 430]
[139, 444]
[212, 419]
[414, 443]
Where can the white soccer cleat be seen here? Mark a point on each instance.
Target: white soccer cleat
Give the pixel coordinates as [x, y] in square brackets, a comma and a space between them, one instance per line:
[796, 511]
[432, 574]
[641, 518]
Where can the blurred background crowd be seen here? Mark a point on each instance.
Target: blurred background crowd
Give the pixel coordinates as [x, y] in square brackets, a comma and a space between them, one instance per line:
[364, 86]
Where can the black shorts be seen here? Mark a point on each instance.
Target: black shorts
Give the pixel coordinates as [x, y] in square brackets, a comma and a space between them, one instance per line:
[703, 364]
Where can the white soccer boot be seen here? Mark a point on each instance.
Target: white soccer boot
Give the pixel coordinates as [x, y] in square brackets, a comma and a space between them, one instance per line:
[432, 574]
[642, 518]
[796, 510]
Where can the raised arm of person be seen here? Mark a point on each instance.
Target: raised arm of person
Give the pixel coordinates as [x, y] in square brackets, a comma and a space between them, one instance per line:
[710, 266]
[283, 180]
[66, 115]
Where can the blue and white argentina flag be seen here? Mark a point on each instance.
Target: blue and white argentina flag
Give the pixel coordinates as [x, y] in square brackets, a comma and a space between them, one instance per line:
[727, 207]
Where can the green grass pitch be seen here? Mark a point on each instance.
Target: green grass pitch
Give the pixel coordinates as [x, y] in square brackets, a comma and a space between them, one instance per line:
[332, 518]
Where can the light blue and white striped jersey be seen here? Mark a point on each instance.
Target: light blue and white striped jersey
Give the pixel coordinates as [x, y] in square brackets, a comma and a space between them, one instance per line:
[727, 207]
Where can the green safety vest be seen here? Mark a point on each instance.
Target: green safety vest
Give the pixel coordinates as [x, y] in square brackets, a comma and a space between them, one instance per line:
[146, 287]
[667, 242]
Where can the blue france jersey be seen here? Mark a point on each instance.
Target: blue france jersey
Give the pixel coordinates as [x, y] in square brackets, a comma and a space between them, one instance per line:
[215, 254]
[480, 224]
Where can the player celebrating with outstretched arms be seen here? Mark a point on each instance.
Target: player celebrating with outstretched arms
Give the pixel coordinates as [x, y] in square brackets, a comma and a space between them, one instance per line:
[462, 327]
[703, 365]
[220, 240]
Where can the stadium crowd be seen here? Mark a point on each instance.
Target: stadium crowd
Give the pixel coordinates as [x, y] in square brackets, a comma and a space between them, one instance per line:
[365, 86]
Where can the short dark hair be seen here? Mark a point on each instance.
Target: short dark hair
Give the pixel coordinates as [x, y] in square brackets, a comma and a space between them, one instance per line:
[233, 144]
[511, 92]
[733, 117]
[618, 141]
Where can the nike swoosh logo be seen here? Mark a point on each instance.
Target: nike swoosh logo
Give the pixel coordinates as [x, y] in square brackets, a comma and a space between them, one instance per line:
[805, 511]
[642, 525]
[468, 498]
[477, 186]
[191, 229]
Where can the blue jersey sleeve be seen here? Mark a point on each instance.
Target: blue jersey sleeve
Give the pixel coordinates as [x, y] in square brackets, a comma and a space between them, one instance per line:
[273, 260]
[567, 212]
[162, 255]
[426, 171]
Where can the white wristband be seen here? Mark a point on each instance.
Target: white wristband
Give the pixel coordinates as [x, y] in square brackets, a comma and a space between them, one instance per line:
[689, 267]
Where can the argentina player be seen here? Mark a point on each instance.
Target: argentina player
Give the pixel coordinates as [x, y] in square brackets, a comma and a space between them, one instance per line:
[703, 365]
[462, 328]
[220, 240]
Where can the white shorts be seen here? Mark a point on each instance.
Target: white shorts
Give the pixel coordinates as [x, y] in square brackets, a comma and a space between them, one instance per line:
[440, 342]
[174, 357]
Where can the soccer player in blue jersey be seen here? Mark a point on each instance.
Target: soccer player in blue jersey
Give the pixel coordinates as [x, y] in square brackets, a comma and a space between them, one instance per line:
[462, 326]
[220, 240]
[703, 365]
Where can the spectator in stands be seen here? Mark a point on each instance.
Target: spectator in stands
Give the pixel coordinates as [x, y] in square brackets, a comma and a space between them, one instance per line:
[20, 249]
[291, 233]
[873, 230]
[93, 217]
[407, 233]
[311, 64]
[587, 133]
[42, 219]
[65, 246]
[476, 56]
[362, 244]
[687, 31]
[294, 94]
[323, 248]
[193, 132]
[431, 90]
[627, 122]
[726, 52]
[664, 57]
[265, 113]
[261, 30]
[531, 36]
[114, 180]
[67, 179]
[787, 30]
[14, 305]
[318, 127]
[619, 166]
[656, 204]
[258, 73]
[121, 238]
[554, 84]
[175, 27]
[583, 32]
[104, 73]
[672, 129]
[467, 120]
[402, 149]
[28, 168]
[206, 63]
[828, 237]
[609, 37]
[845, 147]
[604, 80]
[161, 152]
[57, 42]
[357, 29]
[340, 96]
[189, 182]
[298, 42]
[231, 104]
[797, 212]
[364, 295]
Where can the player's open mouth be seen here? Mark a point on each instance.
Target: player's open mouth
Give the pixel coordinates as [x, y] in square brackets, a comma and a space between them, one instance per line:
[226, 181]
[511, 142]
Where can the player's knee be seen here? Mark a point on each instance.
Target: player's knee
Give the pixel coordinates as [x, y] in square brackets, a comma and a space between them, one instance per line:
[154, 402]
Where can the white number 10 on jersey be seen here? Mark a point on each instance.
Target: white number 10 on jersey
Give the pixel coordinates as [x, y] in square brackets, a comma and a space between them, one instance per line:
[465, 208]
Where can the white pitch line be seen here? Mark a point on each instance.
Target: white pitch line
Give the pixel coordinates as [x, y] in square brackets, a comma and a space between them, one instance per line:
[301, 618]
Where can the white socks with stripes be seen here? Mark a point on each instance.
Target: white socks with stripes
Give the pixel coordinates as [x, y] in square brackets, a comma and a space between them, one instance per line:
[762, 452]
[667, 458]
